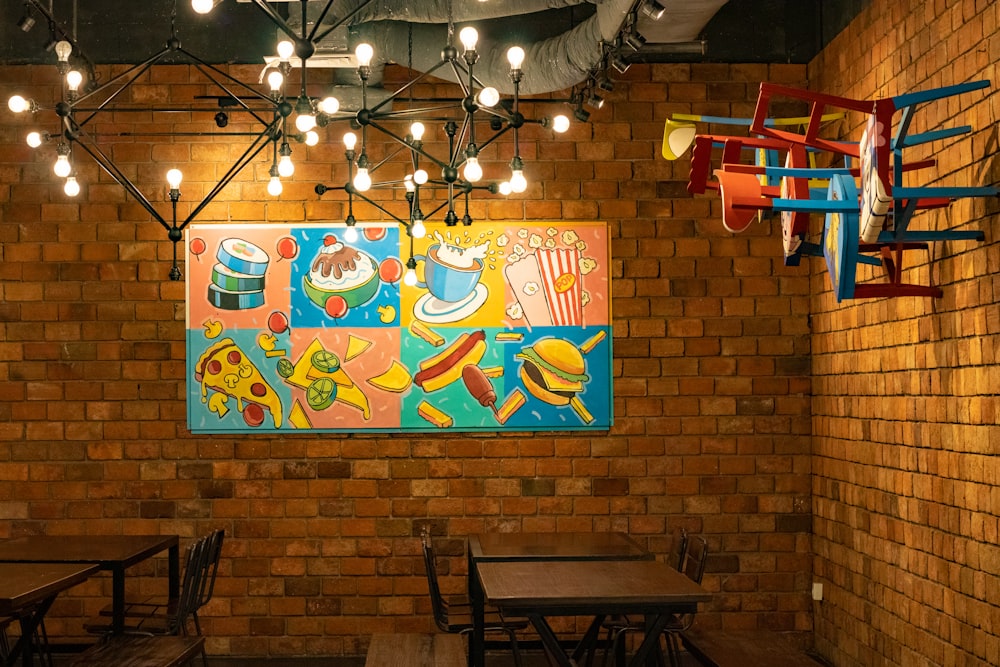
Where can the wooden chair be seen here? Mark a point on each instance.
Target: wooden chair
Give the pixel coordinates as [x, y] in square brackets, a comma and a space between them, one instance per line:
[454, 615]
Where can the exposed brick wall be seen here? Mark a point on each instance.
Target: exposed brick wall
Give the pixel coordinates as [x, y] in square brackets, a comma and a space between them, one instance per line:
[712, 390]
[905, 412]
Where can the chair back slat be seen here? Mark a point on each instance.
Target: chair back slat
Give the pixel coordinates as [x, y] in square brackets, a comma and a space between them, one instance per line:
[437, 600]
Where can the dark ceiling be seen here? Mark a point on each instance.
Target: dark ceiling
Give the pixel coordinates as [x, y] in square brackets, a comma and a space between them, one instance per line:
[110, 31]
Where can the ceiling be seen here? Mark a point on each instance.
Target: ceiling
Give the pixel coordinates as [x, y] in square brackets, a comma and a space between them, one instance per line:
[110, 31]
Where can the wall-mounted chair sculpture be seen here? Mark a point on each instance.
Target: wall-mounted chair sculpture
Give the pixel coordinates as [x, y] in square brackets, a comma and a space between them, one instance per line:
[880, 151]
[741, 191]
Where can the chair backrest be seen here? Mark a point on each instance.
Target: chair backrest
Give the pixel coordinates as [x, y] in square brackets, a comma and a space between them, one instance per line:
[437, 600]
[194, 569]
[697, 555]
[678, 550]
[210, 566]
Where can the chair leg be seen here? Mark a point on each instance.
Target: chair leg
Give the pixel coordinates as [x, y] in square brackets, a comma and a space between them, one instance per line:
[514, 648]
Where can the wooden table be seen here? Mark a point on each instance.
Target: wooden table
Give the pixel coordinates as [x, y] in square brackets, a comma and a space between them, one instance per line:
[27, 590]
[527, 547]
[109, 552]
[598, 588]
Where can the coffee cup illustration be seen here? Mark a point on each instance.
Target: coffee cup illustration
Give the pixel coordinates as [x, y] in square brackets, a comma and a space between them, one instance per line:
[449, 273]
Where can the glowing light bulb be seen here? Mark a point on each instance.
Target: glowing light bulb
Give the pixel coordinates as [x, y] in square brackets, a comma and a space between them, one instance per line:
[34, 139]
[408, 183]
[418, 230]
[275, 80]
[362, 180]
[351, 234]
[504, 188]
[174, 177]
[472, 172]
[305, 122]
[517, 181]
[560, 123]
[417, 131]
[420, 176]
[202, 6]
[71, 187]
[312, 138]
[469, 36]
[18, 104]
[73, 80]
[350, 141]
[515, 56]
[63, 50]
[274, 186]
[285, 50]
[62, 167]
[329, 105]
[285, 166]
[410, 278]
[488, 96]
[364, 52]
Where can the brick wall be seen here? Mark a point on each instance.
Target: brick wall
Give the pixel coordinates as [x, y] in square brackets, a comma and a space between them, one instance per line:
[904, 407]
[711, 381]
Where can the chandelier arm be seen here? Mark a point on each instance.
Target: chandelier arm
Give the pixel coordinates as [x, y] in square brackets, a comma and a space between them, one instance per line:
[275, 18]
[259, 144]
[132, 74]
[105, 162]
[458, 148]
[460, 72]
[496, 136]
[409, 84]
[420, 151]
[402, 113]
[62, 34]
[314, 37]
[209, 70]
[371, 170]
[381, 208]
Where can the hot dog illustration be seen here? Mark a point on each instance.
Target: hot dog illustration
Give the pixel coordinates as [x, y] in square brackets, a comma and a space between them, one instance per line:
[446, 366]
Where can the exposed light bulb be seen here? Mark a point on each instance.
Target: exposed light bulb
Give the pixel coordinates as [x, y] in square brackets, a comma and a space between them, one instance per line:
[73, 80]
[62, 167]
[469, 37]
[488, 96]
[408, 183]
[174, 177]
[504, 188]
[18, 104]
[305, 122]
[312, 138]
[34, 139]
[418, 230]
[285, 166]
[420, 176]
[329, 105]
[417, 131]
[63, 50]
[202, 6]
[350, 141]
[274, 186]
[364, 52]
[285, 50]
[515, 56]
[351, 234]
[518, 183]
[560, 123]
[410, 278]
[71, 187]
[472, 172]
[362, 180]
[275, 80]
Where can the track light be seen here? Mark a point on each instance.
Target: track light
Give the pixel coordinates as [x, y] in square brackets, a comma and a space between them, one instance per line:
[595, 101]
[581, 114]
[27, 21]
[635, 41]
[653, 9]
[619, 63]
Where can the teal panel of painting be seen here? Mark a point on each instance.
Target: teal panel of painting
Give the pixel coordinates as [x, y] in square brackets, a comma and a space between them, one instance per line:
[502, 326]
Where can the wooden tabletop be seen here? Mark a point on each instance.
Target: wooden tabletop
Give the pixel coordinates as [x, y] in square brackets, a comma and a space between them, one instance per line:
[26, 584]
[588, 586]
[553, 546]
[106, 550]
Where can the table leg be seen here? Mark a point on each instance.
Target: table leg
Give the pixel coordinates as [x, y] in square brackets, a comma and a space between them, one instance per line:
[477, 638]
[24, 648]
[174, 572]
[549, 642]
[117, 600]
[653, 629]
[589, 641]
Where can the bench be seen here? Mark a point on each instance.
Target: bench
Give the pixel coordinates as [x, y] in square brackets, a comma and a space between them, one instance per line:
[141, 651]
[416, 650]
[716, 648]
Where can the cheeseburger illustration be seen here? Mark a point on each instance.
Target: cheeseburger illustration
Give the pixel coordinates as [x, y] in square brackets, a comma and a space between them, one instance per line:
[552, 370]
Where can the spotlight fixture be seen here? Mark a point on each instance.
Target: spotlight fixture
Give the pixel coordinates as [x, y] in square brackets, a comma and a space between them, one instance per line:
[653, 9]
[619, 62]
[635, 40]
[27, 21]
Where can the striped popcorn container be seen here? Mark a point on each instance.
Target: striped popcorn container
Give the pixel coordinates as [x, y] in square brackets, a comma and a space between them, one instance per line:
[560, 270]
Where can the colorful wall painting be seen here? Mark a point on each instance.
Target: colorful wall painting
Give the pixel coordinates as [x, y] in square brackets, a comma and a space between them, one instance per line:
[291, 327]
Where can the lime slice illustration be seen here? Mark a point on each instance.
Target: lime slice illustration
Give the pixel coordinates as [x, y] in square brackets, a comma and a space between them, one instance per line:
[321, 393]
[285, 367]
[325, 362]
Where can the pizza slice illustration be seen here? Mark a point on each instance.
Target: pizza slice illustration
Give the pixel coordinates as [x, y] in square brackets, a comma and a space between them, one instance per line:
[226, 369]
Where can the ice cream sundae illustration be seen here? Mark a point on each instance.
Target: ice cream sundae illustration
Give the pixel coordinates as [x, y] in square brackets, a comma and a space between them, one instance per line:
[452, 279]
[341, 270]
